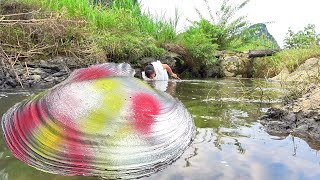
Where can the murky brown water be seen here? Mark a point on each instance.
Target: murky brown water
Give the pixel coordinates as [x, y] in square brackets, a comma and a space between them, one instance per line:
[230, 143]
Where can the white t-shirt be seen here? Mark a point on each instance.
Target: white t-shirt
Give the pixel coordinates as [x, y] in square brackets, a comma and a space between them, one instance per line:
[161, 73]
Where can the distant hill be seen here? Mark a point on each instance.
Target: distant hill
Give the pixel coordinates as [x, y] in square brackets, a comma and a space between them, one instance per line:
[259, 31]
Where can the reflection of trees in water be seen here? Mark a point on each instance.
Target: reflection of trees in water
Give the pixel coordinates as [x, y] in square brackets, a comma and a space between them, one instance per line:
[187, 159]
[218, 137]
[218, 142]
[221, 107]
[240, 148]
[295, 147]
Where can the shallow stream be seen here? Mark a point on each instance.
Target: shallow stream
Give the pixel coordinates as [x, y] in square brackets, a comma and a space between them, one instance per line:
[230, 143]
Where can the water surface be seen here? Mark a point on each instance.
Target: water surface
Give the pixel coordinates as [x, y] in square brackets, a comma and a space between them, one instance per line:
[230, 143]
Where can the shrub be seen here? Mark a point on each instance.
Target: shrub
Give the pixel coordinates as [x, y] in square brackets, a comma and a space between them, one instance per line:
[230, 29]
[199, 43]
[302, 39]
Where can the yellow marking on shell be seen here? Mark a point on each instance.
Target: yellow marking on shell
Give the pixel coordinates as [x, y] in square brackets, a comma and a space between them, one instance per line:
[106, 85]
[50, 138]
[110, 108]
[38, 96]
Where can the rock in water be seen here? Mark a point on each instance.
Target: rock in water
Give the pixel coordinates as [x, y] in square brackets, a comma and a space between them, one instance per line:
[99, 122]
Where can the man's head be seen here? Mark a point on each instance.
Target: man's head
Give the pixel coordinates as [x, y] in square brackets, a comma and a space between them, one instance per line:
[149, 71]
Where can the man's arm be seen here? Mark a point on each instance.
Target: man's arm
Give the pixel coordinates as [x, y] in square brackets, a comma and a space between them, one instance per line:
[168, 68]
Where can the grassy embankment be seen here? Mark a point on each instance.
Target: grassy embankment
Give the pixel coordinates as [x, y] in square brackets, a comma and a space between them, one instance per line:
[116, 33]
[33, 29]
[267, 67]
[290, 59]
[39, 29]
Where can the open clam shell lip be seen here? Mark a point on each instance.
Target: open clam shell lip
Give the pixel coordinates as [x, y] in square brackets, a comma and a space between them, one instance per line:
[99, 122]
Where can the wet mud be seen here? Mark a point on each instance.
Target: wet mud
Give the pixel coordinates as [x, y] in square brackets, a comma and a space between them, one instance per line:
[300, 117]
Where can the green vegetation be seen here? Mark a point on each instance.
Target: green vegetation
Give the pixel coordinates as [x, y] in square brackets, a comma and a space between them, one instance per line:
[223, 31]
[300, 47]
[79, 28]
[305, 38]
[226, 29]
[290, 58]
[257, 37]
[118, 32]
[200, 42]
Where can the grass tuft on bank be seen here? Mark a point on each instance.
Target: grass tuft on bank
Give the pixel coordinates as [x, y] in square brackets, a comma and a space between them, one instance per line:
[266, 67]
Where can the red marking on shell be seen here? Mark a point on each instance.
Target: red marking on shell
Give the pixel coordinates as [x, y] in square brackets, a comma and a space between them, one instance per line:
[76, 153]
[78, 156]
[145, 109]
[90, 73]
[25, 120]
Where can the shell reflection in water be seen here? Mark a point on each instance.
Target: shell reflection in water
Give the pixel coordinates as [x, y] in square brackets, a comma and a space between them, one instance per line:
[99, 122]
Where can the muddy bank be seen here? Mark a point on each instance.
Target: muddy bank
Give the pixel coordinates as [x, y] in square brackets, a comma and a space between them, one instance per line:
[37, 74]
[300, 117]
[47, 73]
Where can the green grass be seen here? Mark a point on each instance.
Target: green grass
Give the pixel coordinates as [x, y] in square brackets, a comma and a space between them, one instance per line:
[120, 33]
[125, 18]
[290, 58]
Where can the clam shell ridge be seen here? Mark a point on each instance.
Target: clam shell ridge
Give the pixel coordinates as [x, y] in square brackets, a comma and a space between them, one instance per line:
[99, 122]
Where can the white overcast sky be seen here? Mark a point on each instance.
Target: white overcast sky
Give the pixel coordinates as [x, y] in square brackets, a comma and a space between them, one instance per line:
[281, 13]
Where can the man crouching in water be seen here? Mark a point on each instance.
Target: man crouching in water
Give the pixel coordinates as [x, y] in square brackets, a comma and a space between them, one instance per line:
[158, 71]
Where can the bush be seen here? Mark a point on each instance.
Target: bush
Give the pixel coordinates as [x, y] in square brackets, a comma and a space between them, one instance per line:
[302, 39]
[200, 43]
[229, 28]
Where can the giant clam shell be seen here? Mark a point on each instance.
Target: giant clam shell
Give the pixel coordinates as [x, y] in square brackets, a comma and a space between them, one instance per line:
[99, 122]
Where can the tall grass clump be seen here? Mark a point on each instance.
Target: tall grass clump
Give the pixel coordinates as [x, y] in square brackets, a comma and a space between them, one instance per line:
[289, 58]
[27, 33]
[119, 31]
[164, 31]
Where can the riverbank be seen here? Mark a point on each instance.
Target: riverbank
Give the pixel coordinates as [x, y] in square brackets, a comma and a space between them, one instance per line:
[49, 72]
[299, 117]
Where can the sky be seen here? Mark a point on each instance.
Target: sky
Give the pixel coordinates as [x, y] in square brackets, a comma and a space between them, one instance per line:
[280, 15]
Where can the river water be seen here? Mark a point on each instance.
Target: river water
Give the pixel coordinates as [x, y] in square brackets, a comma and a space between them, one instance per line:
[230, 143]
